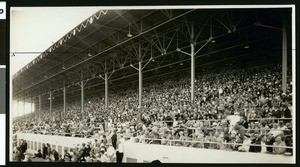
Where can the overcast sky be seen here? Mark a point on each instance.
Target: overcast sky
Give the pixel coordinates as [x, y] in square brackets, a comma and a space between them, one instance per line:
[36, 29]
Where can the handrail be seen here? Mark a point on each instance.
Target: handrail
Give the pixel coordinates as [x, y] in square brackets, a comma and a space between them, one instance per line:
[270, 119]
[210, 142]
[83, 135]
[244, 129]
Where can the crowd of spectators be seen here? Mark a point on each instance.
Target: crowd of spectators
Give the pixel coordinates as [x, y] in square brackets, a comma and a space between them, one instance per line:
[98, 150]
[232, 109]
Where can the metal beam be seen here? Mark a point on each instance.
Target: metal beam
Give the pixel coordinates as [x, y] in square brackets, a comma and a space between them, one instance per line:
[284, 57]
[51, 97]
[40, 107]
[106, 90]
[65, 98]
[114, 46]
[24, 107]
[82, 92]
[140, 76]
[177, 71]
[31, 105]
[192, 65]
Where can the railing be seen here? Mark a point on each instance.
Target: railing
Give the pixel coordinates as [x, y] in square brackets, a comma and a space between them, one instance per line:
[206, 142]
[272, 119]
[79, 135]
[86, 135]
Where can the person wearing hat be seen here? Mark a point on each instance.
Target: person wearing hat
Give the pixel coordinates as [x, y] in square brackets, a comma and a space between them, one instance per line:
[246, 144]
[17, 154]
[82, 153]
[233, 119]
[119, 153]
[269, 141]
[257, 141]
[114, 139]
[279, 145]
[281, 126]
[104, 157]
[48, 149]
[244, 122]
[286, 111]
[45, 150]
[38, 154]
[23, 148]
[67, 155]
[275, 131]
[55, 155]
[88, 150]
[111, 152]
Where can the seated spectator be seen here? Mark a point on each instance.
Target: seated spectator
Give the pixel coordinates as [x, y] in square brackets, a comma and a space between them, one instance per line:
[38, 154]
[270, 141]
[246, 144]
[263, 142]
[279, 145]
[257, 141]
[242, 96]
[275, 130]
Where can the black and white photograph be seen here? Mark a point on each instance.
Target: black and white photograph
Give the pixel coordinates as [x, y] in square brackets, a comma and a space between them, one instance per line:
[153, 84]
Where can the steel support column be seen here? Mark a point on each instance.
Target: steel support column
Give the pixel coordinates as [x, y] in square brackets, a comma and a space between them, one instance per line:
[31, 105]
[192, 65]
[51, 93]
[284, 56]
[82, 95]
[106, 89]
[140, 77]
[40, 106]
[65, 98]
[18, 106]
[24, 106]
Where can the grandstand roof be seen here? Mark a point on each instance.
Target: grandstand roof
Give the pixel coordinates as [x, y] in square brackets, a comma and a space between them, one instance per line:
[102, 43]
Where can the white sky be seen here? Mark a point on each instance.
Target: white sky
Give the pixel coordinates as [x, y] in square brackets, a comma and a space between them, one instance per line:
[36, 29]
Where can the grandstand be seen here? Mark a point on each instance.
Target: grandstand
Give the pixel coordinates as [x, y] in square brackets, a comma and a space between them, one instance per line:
[172, 79]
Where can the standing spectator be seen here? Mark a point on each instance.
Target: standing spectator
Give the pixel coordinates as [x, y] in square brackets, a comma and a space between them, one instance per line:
[45, 150]
[55, 155]
[49, 149]
[120, 152]
[88, 150]
[23, 148]
[244, 122]
[114, 139]
[82, 153]
[233, 119]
